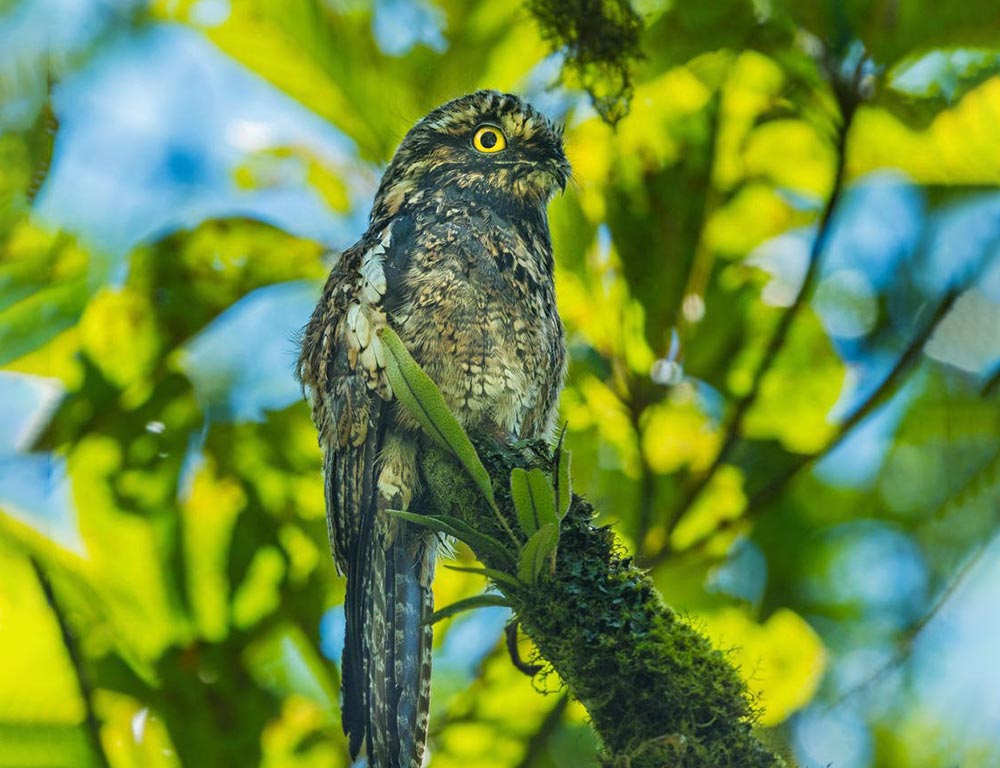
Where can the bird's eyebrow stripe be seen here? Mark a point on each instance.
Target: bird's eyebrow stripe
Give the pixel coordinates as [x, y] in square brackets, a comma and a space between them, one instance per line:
[456, 123]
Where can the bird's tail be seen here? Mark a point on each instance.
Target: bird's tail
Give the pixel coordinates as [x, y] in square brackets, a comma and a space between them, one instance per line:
[387, 695]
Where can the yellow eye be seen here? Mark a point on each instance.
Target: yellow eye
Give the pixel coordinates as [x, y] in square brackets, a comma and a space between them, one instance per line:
[489, 139]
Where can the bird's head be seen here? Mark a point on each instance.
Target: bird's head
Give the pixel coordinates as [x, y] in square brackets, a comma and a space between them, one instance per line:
[488, 145]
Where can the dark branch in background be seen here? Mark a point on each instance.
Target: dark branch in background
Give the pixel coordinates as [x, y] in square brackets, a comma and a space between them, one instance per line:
[91, 722]
[540, 738]
[910, 635]
[657, 692]
[990, 386]
[847, 98]
[890, 384]
[600, 40]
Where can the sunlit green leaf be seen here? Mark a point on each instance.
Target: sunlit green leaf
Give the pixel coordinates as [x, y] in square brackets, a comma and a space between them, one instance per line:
[37, 319]
[37, 745]
[209, 516]
[534, 499]
[537, 553]
[420, 395]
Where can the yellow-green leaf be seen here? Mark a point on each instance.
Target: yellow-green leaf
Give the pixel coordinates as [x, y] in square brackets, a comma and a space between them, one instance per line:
[420, 395]
[536, 551]
[783, 658]
[534, 499]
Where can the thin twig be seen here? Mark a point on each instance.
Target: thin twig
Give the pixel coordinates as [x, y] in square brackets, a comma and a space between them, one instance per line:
[780, 335]
[964, 570]
[759, 500]
[647, 480]
[879, 396]
[911, 633]
[93, 726]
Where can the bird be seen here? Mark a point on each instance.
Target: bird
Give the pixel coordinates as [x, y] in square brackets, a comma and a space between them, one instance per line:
[457, 259]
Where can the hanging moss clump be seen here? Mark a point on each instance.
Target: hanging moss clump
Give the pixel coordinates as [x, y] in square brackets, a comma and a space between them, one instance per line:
[600, 40]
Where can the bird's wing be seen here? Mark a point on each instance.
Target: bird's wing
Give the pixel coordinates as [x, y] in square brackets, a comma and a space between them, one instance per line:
[387, 647]
[342, 368]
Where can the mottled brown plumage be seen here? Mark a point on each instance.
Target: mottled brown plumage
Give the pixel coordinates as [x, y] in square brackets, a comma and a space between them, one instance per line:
[457, 259]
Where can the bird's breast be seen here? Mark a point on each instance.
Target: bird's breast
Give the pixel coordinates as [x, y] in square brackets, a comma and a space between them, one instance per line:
[492, 344]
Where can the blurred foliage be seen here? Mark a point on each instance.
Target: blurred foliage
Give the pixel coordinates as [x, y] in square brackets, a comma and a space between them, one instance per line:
[156, 461]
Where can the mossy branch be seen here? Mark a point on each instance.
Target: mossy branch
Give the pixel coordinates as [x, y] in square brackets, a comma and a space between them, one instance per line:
[657, 693]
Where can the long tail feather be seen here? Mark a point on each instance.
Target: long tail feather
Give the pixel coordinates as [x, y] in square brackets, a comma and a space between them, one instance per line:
[353, 678]
[398, 645]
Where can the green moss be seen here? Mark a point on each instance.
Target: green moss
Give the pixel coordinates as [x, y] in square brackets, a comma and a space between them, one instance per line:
[657, 693]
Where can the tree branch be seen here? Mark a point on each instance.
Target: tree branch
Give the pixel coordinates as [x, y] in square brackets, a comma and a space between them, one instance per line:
[91, 722]
[890, 384]
[657, 692]
[777, 341]
[911, 633]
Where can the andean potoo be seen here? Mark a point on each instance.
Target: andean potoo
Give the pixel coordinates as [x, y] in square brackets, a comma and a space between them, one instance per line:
[457, 259]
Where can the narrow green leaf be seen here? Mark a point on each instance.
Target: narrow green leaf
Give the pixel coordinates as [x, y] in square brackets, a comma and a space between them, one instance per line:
[469, 603]
[481, 543]
[543, 497]
[420, 395]
[41, 143]
[534, 499]
[520, 493]
[535, 553]
[499, 577]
